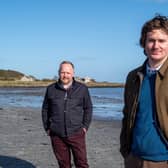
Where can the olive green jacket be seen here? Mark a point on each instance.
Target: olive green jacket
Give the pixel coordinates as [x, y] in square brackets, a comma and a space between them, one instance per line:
[131, 93]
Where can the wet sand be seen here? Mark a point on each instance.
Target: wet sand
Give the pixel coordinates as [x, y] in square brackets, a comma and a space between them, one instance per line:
[24, 143]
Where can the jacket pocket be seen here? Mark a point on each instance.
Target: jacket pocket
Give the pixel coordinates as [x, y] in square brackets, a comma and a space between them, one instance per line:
[56, 107]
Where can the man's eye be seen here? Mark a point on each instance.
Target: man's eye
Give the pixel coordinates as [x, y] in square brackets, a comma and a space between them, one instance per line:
[161, 41]
[151, 40]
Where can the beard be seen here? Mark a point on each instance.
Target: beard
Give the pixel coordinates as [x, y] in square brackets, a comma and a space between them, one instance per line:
[66, 81]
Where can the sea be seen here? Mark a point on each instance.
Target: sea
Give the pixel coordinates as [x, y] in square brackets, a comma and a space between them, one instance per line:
[107, 102]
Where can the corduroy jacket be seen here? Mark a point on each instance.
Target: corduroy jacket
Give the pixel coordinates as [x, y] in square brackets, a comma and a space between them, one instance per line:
[66, 111]
[131, 96]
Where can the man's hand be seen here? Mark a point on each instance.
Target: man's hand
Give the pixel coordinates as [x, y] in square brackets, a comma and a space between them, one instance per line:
[84, 129]
[48, 132]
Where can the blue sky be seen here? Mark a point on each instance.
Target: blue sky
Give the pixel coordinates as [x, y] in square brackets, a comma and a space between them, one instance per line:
[101, 37]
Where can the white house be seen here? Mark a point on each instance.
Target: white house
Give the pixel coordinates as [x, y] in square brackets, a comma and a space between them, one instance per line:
[26, 79]
[87, 79]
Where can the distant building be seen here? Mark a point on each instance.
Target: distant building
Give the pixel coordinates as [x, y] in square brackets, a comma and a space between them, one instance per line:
[78, 79]
[85, 79]
[27, 79]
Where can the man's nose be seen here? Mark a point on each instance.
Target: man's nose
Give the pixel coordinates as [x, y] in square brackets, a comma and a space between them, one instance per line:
[65, 74]
[156, 44]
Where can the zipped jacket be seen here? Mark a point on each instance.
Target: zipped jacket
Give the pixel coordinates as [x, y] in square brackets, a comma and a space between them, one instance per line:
[66, 111]
[131, 96]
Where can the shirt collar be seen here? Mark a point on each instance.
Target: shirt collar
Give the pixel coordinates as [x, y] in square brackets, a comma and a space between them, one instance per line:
[151, 71]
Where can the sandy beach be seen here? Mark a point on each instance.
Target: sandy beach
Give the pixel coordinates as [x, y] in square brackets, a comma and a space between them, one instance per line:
[24, 143]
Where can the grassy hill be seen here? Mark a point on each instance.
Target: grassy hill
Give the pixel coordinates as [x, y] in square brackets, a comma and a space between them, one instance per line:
[11, 78]
[10, 75]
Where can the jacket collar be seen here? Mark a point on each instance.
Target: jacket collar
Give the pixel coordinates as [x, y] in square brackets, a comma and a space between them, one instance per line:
[161, 71]
[142, 69]
[163, 68]
[59, 84]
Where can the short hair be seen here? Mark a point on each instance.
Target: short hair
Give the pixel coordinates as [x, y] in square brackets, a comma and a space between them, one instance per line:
[158, 22]
[65, 62]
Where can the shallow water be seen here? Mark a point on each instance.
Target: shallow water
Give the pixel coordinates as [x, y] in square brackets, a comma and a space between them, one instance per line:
[107, 102]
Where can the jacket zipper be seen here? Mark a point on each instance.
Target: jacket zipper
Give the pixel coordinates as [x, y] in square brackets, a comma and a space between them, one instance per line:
[65, 110]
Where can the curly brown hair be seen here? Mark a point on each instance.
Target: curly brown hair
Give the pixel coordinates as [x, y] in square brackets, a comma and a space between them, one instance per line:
[158, 22]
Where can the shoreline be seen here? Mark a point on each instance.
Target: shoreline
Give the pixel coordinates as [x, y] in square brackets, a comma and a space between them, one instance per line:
[94, 118]
[24, 141]
[18, 84]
